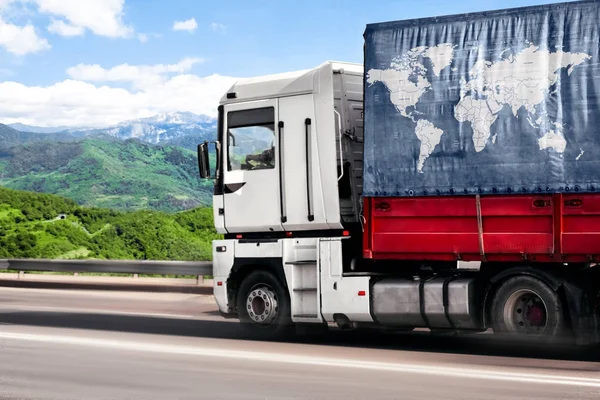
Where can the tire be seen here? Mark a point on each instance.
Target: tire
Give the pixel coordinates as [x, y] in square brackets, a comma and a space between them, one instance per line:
[263, 306]
[525, 307]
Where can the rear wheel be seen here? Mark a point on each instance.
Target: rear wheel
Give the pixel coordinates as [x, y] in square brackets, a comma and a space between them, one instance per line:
[526, 307]
[264, 306]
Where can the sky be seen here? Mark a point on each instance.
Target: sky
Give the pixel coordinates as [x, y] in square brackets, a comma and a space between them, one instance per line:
[100, 62]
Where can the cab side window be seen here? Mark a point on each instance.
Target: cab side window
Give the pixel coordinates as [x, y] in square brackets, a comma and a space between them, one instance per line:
[251, 139]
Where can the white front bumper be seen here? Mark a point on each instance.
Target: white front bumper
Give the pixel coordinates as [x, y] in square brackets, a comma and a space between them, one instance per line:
[223, 256]
[220, 293]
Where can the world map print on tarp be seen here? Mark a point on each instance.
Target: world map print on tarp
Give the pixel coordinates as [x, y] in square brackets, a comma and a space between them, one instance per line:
[497, 102]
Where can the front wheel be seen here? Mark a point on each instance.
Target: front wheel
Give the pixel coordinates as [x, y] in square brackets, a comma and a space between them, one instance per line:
[264, 306]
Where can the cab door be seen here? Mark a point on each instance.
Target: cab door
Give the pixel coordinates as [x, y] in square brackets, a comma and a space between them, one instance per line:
[302, 170]
[252, 196]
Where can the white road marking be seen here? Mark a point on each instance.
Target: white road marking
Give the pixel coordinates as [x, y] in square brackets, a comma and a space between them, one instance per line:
[455, 372]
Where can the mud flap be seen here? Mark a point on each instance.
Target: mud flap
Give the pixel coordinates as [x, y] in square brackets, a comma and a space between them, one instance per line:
[583, 301]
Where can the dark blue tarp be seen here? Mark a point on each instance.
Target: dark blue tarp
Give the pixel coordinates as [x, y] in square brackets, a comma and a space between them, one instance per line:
[495, 102]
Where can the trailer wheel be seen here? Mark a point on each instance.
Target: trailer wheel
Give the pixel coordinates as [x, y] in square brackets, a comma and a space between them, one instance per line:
[524, 306]
[264, 306]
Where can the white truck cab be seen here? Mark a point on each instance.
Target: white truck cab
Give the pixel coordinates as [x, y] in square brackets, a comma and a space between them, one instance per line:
[287, 187]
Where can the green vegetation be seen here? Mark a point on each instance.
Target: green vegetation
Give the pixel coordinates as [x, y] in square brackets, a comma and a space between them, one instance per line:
[120, 175]
[34, 225]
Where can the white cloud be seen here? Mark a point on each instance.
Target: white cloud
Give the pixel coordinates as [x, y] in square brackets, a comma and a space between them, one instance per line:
[15, 39]
[141, 76]
[220, 28]
[144, 37]
[5, 3]
[62, 28]
[189, 25]
[79, 102]
[102, 17]
[6, 6]
[21, 40]
[10, 9]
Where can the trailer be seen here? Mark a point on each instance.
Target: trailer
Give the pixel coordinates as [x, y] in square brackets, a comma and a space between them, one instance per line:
[451, 182]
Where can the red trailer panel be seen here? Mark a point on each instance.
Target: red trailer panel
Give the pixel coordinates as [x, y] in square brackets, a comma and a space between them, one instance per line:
[561, 228]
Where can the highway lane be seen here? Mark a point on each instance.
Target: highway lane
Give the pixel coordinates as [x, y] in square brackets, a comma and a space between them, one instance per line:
[114, 345]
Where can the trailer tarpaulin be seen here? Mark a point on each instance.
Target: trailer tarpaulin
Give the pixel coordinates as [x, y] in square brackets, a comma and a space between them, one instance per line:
[494, 102]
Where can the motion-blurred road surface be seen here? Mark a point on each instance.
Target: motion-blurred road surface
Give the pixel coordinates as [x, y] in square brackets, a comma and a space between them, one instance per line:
[76, 344]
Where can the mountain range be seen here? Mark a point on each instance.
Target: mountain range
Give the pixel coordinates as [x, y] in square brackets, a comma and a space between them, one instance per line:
[148, 163]
[38, 129]
[179, 128]
[10, 137]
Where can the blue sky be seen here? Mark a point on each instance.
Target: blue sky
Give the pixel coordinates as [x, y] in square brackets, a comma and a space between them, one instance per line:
[226, 39]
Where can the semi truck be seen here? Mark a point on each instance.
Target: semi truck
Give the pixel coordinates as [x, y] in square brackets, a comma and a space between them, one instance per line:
[449, 182]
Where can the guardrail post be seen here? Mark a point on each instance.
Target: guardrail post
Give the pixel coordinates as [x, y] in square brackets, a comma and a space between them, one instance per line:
[135, 276]
[200, 280]
[21, 274]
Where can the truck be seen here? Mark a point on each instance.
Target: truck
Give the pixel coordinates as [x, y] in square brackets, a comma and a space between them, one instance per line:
[450, 182]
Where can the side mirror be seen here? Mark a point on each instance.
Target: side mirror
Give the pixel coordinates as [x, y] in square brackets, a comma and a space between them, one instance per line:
[203, 164]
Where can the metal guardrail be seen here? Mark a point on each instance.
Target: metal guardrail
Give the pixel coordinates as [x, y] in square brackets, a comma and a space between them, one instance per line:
[196, 268]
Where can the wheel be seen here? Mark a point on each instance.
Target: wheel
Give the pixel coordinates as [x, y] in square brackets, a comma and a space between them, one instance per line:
[264, 306]
[524, 306]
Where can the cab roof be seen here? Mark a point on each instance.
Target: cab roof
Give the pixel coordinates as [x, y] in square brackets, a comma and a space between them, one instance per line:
[285, 84]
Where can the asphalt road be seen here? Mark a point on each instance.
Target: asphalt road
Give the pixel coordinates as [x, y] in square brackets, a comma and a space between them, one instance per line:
[112, 345]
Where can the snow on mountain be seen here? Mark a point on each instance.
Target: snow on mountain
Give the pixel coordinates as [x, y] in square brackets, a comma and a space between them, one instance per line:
[178, 118]
[160, 128]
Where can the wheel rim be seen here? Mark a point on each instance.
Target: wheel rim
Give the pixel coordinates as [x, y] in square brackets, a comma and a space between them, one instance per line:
[526, 313]
[261, 304]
